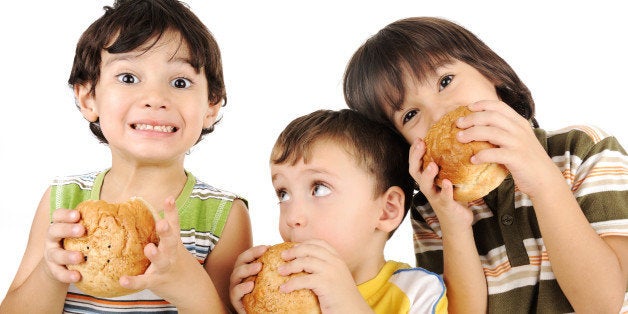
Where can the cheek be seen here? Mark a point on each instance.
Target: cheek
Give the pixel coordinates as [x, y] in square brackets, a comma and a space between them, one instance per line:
[417, 131]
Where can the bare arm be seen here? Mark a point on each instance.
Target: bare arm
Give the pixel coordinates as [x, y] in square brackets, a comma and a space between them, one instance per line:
[591, 271]
[41, 282]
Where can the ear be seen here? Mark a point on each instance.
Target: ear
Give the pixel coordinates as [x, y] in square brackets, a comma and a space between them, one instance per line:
[85, 102]
[392, 211]
[212, 113]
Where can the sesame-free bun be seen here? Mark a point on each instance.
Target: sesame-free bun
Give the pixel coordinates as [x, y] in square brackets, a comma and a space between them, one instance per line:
[454, 159]
[266, 297]
[113, 244]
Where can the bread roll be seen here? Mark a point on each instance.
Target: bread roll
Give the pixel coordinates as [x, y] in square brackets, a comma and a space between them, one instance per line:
[454, 159]
[266, 297]
[113, 244]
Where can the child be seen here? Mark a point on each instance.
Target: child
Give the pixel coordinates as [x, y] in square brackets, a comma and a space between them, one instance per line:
[341, 199]
[552, 237]
[147, 76]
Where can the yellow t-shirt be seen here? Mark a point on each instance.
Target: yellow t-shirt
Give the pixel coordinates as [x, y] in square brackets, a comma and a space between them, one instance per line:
[398, 288]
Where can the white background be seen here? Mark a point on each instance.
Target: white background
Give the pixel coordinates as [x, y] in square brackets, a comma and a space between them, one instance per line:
[282, 59]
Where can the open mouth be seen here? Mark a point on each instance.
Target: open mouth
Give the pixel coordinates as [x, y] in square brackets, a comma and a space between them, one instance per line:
[156, 128]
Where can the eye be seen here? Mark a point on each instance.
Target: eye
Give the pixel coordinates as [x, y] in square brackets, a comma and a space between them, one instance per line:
[128, 78]
[282, 195]
[409, 115]
[320, 190]
[181, 82]
[444, 81]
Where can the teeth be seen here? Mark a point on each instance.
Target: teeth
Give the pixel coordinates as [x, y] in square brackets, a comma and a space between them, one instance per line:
[158, 128]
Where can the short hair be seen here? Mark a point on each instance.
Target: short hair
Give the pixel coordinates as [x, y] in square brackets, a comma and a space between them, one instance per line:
[375, 147]
[132, 23]
[374, 77]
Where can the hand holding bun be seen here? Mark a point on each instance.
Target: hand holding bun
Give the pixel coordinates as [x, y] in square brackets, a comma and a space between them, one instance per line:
[113, 244]
[453, 158]
[266, 297]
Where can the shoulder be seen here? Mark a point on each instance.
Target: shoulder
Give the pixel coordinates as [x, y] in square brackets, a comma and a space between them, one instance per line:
[424, 289]
[412, 276]
[582, 141]
[203, 190]
[413, 280]
[591, 132]
[82, 180]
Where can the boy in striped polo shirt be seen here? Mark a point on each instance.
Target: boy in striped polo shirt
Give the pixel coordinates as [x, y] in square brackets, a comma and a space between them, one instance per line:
[552, 237]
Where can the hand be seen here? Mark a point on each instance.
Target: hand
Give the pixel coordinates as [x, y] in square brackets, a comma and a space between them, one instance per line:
[327, 276]
[171, 263]
[64, 225]
[452, 215]
[243, 268]
[518, 148]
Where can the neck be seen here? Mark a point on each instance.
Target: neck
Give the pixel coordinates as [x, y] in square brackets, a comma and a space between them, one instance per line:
[369, 265]
[153, 183]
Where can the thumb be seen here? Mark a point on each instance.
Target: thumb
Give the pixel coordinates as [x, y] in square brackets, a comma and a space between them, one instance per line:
[134, 282]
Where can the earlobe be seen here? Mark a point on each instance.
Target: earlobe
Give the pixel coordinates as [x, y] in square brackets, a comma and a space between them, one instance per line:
[85, 102]
[393, 209]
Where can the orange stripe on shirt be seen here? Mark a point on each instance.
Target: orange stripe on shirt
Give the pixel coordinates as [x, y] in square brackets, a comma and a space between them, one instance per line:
[82, 297]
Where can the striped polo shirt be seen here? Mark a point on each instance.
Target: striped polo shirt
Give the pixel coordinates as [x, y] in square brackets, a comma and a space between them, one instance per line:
[203, 212]
[507, 236]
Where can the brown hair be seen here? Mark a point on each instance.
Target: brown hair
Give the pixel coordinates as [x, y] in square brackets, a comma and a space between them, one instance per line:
[375, 147]
[132, 23]
[373, 79]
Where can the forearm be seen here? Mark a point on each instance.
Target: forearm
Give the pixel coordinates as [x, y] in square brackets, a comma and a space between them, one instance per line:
[463, 274]
[39, 293]
[196, 294]
[586, 268]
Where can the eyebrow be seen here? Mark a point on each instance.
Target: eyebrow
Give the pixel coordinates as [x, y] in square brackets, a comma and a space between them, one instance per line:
[308, 171]
[129, 56]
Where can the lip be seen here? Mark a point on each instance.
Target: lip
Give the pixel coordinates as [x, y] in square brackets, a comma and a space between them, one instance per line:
[154, 126]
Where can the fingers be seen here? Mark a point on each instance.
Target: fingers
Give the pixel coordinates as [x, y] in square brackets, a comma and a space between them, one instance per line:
[244, 268]
[65, 216]
[139, 282]
[423, 177]
[244, 265]
[168, 231]
[415, 158]
[61, 230]
[237, 292]
[56, 258]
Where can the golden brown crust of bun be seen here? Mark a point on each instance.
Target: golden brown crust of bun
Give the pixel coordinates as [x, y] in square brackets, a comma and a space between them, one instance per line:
[113, 244]
[266, 297]
[454, 159]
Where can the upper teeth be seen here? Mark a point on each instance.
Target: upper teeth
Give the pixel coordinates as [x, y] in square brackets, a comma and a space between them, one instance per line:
[158, 128]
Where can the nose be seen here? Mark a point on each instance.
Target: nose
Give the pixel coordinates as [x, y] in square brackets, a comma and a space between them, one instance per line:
[439, 110]
[294, 214]
[155, 97]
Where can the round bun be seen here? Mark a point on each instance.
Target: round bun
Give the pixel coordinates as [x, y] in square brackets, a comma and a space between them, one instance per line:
[454, 159]
[113, 244]
[266, 297]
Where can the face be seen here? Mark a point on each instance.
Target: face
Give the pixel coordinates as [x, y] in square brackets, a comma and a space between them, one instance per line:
[452, 85]
[152, 105]
[328, 198]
